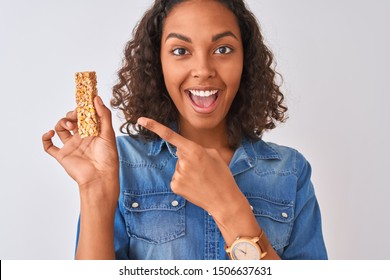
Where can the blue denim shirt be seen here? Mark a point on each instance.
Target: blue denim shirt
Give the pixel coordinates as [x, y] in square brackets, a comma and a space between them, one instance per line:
[152, 222]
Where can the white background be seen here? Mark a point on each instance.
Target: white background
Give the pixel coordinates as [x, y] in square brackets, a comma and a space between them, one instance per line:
[333, 55]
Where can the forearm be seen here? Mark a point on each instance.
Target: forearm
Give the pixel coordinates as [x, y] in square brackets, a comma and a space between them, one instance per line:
[238, 220]
[97, 211]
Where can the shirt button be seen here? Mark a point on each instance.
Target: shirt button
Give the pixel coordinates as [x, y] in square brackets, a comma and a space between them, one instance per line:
[175, 203]
[251, 207]
[135, 205]
[284, 215]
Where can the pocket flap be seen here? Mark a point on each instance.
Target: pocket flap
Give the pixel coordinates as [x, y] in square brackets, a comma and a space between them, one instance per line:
[153, 201]
[281, 211]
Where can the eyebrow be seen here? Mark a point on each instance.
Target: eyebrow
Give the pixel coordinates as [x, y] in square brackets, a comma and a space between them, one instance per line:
[224, 34]
[213, 39]
[178, 36]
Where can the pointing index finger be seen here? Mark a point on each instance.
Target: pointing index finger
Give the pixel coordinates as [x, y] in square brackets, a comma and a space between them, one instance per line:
[164, 132]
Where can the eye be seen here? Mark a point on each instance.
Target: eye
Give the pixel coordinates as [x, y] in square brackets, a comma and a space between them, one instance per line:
[223, 50]
[179, 51]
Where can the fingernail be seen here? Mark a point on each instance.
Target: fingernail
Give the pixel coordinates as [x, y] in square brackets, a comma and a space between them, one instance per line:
[100, 101]
[69, 125]
[142, 122]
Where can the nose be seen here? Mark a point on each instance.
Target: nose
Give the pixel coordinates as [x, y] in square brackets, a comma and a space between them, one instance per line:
[203, 67]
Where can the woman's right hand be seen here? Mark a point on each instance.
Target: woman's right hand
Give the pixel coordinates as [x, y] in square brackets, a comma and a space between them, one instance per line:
[89, 161]
[93, 163]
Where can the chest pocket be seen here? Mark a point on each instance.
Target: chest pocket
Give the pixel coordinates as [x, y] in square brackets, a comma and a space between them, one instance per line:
[154, 217]
[275, 218]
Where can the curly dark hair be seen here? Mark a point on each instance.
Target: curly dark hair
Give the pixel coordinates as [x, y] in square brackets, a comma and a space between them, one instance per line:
[141, 91]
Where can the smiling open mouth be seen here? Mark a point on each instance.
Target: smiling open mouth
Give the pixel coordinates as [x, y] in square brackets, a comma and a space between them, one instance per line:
[203, 98]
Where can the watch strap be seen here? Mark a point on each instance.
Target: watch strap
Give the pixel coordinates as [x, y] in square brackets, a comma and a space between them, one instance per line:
[263, 243]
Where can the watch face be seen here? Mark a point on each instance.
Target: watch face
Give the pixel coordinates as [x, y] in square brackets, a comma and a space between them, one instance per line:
[245, 251]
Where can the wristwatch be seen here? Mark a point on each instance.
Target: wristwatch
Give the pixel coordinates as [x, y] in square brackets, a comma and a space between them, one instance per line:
[248, 248]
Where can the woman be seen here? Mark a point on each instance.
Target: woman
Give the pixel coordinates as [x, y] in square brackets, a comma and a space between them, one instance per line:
[194, 178]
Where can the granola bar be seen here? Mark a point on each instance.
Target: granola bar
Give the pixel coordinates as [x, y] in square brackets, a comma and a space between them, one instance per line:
[86, 90]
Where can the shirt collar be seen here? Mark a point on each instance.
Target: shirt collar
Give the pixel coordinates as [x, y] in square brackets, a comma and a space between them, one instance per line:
[247, 154]
[157, 144]
[244, 157]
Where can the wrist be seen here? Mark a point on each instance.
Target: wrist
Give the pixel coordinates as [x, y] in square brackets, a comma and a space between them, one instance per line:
[230, 210]
[100, 194]
[236, 219]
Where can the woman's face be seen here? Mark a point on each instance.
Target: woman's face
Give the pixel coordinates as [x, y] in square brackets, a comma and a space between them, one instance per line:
[202, 61]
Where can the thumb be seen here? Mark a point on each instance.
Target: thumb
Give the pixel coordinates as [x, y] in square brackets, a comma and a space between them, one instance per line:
[104, 115]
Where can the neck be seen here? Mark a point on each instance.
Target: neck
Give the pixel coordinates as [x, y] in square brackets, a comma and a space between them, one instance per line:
[211, 138]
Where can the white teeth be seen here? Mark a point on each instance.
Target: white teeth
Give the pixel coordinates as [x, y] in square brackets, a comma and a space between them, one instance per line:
[203, 93]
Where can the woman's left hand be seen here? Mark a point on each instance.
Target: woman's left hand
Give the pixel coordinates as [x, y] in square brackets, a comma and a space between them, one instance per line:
[201, 176]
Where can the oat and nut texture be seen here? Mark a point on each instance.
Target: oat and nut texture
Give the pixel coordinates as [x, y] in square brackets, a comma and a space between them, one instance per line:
[86, 90]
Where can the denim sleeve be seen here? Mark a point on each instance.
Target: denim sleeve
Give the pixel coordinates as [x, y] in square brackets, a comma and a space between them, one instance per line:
[306, 240]
[77, 237]
[121, 238]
